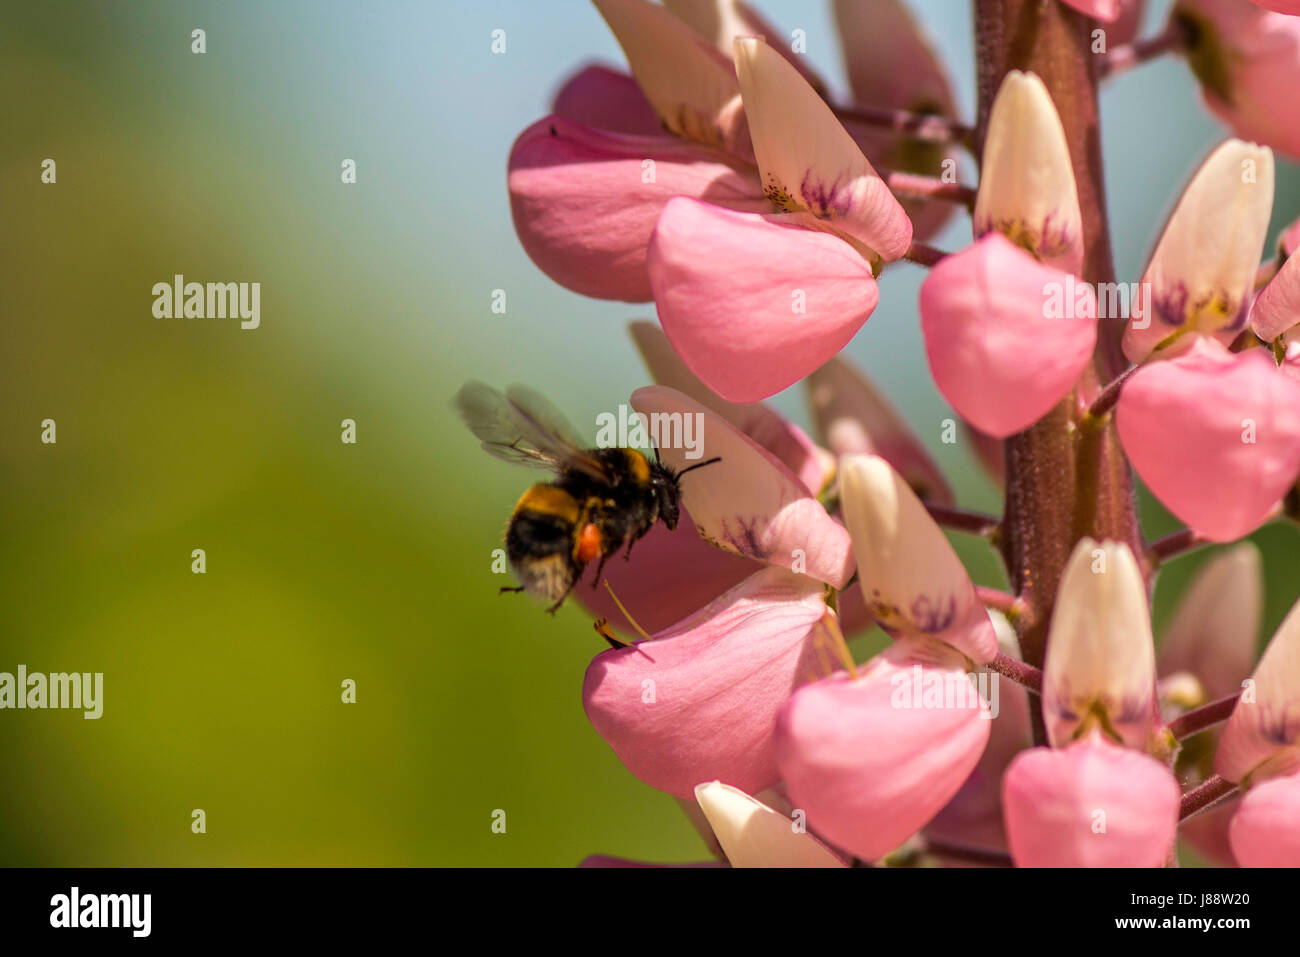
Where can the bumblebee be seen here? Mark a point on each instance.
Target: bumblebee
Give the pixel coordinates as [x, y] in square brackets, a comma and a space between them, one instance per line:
[600, 501]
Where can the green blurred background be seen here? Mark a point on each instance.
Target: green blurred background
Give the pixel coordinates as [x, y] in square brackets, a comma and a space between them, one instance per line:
[328, 561]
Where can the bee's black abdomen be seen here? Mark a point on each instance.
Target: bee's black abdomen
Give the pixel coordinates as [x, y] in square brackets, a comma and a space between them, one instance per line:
[539, 541]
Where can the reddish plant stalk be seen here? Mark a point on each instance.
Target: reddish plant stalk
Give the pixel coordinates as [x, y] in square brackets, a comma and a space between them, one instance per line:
[1062, 482]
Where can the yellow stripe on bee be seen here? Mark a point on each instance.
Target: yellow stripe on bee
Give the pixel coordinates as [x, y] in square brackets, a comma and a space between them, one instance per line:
[549, 500]
[639, 466]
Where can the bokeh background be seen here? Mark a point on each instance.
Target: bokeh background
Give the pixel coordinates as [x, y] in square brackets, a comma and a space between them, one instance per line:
[328, 561]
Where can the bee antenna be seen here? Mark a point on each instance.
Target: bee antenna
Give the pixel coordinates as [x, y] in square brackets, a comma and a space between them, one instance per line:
[699, 465]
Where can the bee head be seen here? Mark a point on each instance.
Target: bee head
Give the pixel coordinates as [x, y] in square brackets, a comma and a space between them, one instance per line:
[667, 486]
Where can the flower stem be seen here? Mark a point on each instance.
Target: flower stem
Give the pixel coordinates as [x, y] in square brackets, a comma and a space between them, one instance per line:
[1206, 716]
[928, 187]
[1017, 671]
[1174, 544]
[1108, 396]
[1203, 795]
[1170, 40]
[964, 520]
[924, 254]
[921, 126]
[1062, 482]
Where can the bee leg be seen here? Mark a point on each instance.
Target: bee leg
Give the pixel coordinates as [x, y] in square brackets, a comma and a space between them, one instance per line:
[507, 588]
[556, 607]
[595, 582]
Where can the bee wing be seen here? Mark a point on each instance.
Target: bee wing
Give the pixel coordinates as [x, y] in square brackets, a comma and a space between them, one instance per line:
[523, 427]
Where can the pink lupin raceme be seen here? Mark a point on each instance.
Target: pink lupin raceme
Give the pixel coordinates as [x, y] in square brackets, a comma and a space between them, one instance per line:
[1200, 277]
[1095, 799]
[813, 465]
[585, 201]
[872, 758]
[1027, 190]
[698, 701]
[1092, 804]
[853, 417]
[1007, 337]
[1215, 435]
[748, 503]
[753, 303]
[1246, 59]
[913, 581]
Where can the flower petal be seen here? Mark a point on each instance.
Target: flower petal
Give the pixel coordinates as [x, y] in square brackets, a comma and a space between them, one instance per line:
[913, 580]
[748, 503]
[585, 201]
[754, 303]
[721, 21]
[1006, 336]
[1265, 831]
[871, 761]
[1246, 60]
[1277, 309]
[1027, 189]
[699, 701]
[769, 428]
[1105, 10]
[854, 418]
[670, 575]
[1100, 665]
[1093, 804]
[1262, 737]
[689, 83]
[808, 162]
[609, 100]
[1215, 436]
[1202, 272]
[754, 835]
[1216, 627]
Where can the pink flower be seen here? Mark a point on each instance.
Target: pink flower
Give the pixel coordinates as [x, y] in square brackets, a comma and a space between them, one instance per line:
[1264, 832]
[1027, 190]
[1246, 60]
[868, 759]
[585, 201]
[1215, 435]
[607, 99]
[1006, 336]
[1091, 804]
[1200, 276]
[873, 756]
[1095, 799]
[698, 702]
[753, 303]
[1260, 750]
[1276, 311]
